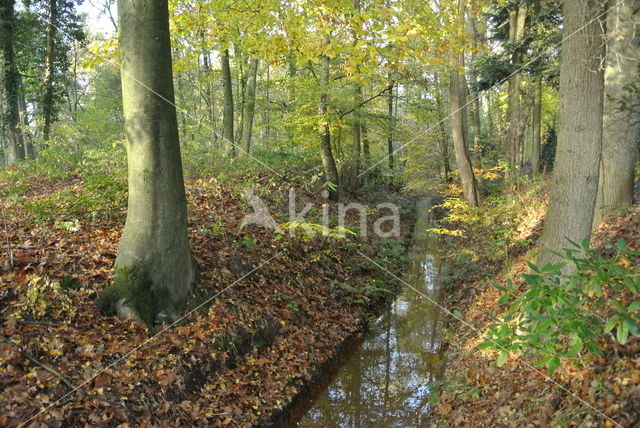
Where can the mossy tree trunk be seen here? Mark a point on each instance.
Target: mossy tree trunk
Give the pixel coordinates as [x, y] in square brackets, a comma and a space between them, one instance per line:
[11, 81]
[575, 175]
[154, 258]
[49, 72]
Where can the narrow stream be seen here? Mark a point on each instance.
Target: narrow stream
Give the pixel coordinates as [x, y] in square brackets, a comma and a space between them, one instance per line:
[385, 381]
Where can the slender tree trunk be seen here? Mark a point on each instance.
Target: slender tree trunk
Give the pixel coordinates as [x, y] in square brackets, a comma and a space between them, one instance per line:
[267, 110]
[352, 168]
[457, 98]
[517, 20]
[490, 124]
[444, 140]
[366, 149]
[537, 125]
[155, 269]
[211, 93]
[250, 107]
[29, 150]
[227, 114]
[391, 125]
[576, 170]
[49, 74]
[15, 141]
[242, 75]
[326, 153]
[476, 102]
[467, 176]
[621, 125]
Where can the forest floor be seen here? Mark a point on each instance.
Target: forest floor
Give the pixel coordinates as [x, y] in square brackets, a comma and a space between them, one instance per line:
[271, 307]
[475, 392]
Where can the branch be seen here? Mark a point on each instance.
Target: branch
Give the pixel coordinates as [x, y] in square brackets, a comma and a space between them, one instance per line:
[368, 100]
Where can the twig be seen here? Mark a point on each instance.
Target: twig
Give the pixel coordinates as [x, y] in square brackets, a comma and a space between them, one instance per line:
[35, 361]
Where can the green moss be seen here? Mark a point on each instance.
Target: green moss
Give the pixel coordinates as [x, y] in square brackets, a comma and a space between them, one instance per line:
[131, 287]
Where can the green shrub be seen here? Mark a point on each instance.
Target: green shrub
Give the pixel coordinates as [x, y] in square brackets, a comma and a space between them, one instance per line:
[561, 316]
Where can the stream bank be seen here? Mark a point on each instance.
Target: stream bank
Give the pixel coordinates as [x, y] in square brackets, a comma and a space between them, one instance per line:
[385, 377]
[236, 361]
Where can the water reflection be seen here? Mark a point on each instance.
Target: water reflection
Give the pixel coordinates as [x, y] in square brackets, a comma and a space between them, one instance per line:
[386, 381]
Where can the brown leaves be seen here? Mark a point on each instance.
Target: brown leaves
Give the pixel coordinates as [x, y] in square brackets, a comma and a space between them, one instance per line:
[195, 374]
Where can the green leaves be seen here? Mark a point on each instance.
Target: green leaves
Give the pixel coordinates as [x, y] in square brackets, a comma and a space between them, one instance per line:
[560, 316]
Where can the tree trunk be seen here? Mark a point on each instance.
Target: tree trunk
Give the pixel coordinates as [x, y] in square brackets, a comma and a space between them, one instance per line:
[326, 153]
[537, 125]
[29, 149]
[155, 269]
[15, 141]
[621, 120]
[366, 148]
[575, 176]
[266, 133]
[476, 102]
[353, 168]
[458, 111]
[242, 75]
[444, 140]
[391, 124]
[250, 107]
[517, 20]
[227, 114]
[457, 101]
[49, 73]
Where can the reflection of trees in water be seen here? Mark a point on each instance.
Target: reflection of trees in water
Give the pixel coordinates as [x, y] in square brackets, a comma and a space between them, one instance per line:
[385, 382]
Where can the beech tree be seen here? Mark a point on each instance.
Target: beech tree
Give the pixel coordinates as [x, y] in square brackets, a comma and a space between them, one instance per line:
[621, 119]
[459, 130]
[227, 112]
[575, 177]
[154, 269]
[11, 80]
[250, 107]
[326, 152]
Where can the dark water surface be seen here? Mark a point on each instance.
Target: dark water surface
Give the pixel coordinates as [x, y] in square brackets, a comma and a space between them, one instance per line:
[385, 380]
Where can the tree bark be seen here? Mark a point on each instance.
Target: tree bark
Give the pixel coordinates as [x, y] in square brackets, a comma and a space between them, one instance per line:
[366, 147]
[227, 113]
[326, 152]
[457, 101]
[154, 258]
[49, 73]
[391, 124]
[537, 125]
[444, 140]
[458, 111]
[250, 107]
[576, 170]
[621, 120]
[29, 149]
[517, 20]
[15, 141]
[476, 102]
